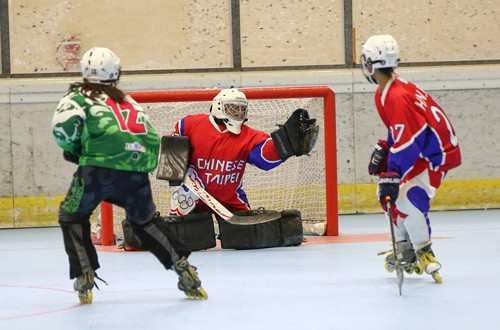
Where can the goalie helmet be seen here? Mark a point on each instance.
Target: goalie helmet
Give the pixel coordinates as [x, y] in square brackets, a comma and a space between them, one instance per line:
[379, 51]
[230, 106]
[100, 65]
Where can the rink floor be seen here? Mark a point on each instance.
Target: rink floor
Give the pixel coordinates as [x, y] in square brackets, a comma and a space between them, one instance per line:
[335, 285]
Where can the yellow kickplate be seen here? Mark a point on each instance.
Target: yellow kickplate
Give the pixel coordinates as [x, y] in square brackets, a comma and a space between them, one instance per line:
[35, 211]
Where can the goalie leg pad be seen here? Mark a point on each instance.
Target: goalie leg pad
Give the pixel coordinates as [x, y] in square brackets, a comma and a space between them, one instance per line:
[286, 231]
[174, 159]
[195, 231]
[292, 232]
[132, 241]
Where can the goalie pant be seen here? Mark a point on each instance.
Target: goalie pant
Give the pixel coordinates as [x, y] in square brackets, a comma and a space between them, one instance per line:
[130, 190]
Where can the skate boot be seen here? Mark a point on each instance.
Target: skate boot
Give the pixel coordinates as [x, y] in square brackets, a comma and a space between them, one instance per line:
[189, 281]
[408, 260]
[84, 285]
[427, 262]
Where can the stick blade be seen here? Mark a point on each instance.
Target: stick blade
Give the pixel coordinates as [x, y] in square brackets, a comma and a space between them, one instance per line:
[401, 277]
[254, 217]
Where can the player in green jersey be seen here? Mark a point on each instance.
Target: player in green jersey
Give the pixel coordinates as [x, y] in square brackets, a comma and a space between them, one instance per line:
[108, 135]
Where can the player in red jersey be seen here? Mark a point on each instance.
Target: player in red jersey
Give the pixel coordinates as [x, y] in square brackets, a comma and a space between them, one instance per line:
[222, 145]
[420, 148]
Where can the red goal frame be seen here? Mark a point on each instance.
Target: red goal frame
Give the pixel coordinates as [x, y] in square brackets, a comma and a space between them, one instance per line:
[329, 113]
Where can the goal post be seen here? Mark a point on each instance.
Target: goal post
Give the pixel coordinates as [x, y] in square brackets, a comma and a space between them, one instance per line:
[308, 183]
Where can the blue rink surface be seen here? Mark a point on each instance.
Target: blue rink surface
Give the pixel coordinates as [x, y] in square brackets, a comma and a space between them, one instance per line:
[320, 286]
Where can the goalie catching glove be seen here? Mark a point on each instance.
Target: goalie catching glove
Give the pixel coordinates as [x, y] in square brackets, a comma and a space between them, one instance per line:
[297, 136]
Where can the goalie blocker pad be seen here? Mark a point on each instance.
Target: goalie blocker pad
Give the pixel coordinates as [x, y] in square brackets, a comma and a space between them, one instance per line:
[195, 231]
[174, 159]
[286, 231]
[297, 136]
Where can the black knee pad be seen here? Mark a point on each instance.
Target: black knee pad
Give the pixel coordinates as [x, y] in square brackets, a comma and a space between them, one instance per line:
[286, 231]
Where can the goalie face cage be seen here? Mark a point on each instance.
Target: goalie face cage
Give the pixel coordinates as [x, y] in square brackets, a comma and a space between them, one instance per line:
[307, 183]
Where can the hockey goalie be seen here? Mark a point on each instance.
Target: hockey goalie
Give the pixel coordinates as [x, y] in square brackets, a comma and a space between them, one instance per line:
[220, 146]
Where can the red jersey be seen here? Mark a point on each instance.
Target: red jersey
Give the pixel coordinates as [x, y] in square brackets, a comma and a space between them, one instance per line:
[219, 157]
[420, 134]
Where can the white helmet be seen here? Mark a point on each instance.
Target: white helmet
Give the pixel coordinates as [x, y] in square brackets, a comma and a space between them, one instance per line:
[100, 65]
[230, 106]
[379, 51]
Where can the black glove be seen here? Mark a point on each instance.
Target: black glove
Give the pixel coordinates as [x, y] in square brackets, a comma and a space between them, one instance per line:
[378, 158]
[70, 157]
[388, 188]
[297, 136]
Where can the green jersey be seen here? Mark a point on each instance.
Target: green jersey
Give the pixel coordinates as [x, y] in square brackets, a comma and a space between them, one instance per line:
[105, 133]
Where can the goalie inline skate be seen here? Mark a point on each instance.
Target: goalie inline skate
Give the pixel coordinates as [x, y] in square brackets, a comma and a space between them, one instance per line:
[189, 281]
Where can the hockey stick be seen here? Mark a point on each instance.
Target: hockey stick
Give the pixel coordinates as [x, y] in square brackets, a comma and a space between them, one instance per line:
[223, 212]
[397, 257]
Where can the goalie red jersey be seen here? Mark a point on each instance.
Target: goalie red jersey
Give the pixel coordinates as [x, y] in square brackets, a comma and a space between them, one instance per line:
[219, 157]
[420, 134]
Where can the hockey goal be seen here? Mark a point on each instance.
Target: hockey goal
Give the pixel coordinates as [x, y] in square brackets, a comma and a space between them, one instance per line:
[307, 183]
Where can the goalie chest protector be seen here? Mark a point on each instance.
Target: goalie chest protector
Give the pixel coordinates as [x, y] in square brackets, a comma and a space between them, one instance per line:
[286, 231]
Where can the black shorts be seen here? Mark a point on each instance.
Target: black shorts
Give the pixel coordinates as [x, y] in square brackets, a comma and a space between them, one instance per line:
[91, 185]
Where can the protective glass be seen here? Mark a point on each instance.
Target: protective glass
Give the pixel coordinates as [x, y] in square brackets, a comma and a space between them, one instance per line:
[236, 111]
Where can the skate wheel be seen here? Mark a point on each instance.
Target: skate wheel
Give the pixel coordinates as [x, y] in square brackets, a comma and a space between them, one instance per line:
[203, 294]
[437, 278]
[198, 294]
[419, 270]
[85, 297]
[408, 268]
